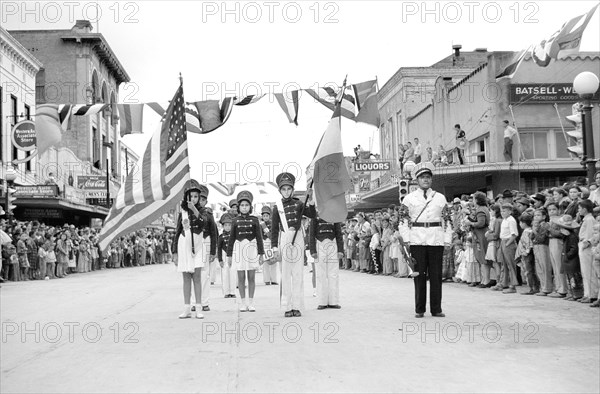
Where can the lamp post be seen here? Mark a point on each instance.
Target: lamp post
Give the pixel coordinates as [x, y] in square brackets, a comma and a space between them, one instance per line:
[10, 175]
[586, 84]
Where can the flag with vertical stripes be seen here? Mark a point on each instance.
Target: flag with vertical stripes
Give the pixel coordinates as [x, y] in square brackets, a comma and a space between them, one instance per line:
[328, 173]
[131, 118]
[50, 121]
[289, 106]
[164, 172]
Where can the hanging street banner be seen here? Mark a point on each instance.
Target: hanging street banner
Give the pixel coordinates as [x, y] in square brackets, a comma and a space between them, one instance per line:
[545, 93]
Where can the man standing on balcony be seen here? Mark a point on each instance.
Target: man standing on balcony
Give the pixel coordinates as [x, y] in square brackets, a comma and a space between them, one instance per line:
[418, 151]
[461, 142]
[426, 225]
[509, 134]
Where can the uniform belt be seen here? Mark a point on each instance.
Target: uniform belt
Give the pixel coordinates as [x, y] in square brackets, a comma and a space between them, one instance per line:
[427, 224]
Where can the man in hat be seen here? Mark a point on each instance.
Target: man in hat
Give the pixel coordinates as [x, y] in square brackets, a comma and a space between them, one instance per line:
[426, 224]
[210, 235]
[270, 268]
[287, 219]
[228, 273]
[538, 200]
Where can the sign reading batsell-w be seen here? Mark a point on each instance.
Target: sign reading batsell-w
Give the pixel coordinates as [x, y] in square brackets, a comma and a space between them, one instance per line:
[373, 166]
[93, 185]
[544, 93]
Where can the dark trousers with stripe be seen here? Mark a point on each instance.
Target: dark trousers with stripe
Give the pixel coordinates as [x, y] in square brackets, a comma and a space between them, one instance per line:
[429, 264]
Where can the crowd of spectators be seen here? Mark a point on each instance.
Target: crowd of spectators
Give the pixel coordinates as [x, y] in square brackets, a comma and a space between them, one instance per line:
[36, 251]
[548, 241]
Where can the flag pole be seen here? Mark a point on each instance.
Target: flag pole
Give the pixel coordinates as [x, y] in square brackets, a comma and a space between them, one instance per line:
[338, 99]
[189, 196]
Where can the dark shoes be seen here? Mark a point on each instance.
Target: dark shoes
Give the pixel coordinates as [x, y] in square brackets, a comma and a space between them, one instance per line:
[321, 307]
[193, 308]
[205, 308]
[334, 306]
[296, 313]
[274, 283]
[267, 283]
[438, 314]
[289, 314]
[419, 315]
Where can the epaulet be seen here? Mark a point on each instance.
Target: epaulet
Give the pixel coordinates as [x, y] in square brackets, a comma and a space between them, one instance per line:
[209, 210]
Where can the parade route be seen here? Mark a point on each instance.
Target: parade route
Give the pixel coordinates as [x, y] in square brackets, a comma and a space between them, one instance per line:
[118, 331]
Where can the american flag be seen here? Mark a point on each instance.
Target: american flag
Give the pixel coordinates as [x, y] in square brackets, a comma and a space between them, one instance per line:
[329, 96]
[153, 190]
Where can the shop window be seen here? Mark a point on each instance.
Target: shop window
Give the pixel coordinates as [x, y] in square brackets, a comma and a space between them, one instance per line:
[534, 145]
[561, 145]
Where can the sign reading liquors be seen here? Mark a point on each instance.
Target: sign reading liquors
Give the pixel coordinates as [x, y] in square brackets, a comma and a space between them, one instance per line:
[372, 166]
[545, 93]
[23, 135]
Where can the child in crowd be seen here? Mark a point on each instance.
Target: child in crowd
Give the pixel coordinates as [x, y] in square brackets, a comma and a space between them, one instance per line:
[461, 265]
[493, 237]
[541, 251]
[473, 277]
[228, 273]
[570, 264]
[508, 247]
[524, 254]
[556, 246]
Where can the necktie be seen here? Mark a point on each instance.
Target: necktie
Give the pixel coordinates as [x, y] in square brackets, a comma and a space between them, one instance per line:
[425, 194]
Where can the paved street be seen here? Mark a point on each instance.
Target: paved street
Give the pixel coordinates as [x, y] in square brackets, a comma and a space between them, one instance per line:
[125, 337]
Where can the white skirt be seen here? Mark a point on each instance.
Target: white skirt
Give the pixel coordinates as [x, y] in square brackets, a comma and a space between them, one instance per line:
[245, 255]
[186, 261]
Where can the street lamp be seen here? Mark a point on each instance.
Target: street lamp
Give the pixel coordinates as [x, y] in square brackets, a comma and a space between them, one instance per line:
[586, 84]
[10, 175]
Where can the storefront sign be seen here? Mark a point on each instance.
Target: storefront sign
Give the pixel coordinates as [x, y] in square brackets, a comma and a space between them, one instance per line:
[91, 182]
[545, 93]
[75, 195]
[353, 198]
[49, 213]
[373, 166]
[23, 135]
[36, 191]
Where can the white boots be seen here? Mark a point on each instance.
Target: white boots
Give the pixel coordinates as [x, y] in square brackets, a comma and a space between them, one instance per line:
[187, 312]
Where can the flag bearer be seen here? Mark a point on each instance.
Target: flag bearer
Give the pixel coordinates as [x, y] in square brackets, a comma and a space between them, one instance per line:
[327, 247]
[287, 219]
[228, 273]
[270, 268]
[245, 249]
[188, 252]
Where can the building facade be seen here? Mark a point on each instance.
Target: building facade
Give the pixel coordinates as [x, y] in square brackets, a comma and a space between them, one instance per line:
[480, 105]
[18, 69]
[79, 67]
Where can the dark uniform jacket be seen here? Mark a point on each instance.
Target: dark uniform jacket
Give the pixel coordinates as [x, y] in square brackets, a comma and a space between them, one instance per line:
[222, 244]
[321, 230]
[244, 227]
[292, 208]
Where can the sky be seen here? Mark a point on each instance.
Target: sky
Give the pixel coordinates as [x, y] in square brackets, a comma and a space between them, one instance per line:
[253, 47]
